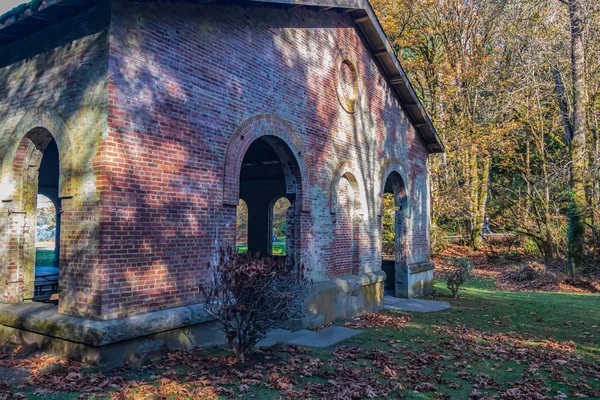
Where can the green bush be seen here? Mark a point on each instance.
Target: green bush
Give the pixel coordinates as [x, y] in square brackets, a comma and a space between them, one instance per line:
[531, 247]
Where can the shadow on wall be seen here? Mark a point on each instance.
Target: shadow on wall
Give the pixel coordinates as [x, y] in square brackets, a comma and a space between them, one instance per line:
[63, 68]
[166, 197]
[170, 120]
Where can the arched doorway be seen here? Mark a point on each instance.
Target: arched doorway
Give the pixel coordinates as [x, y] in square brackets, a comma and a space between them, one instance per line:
[47, 250]
[270, 172]
[36, 171]
[394, 209]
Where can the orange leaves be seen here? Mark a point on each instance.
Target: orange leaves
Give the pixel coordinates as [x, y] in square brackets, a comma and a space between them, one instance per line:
[377, 320]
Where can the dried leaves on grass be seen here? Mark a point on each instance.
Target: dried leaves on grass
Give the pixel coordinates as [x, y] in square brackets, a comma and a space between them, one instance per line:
[448, 360]
[377, 320]
[521, 276]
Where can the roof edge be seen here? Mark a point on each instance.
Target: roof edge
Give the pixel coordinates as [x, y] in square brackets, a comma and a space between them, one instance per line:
[370, 29]
[38, 14]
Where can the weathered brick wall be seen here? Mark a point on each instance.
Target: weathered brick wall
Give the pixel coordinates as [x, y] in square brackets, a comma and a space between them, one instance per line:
[54, 80]
[344, 241]
[183, 79]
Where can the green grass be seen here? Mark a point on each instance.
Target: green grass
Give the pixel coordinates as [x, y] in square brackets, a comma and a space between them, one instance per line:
[44, 258]
[561, 317]
[546, 314]
[278, 247]
[535, 318]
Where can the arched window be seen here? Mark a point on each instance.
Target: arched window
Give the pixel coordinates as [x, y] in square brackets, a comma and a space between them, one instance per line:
[388, 238]
[242, 227]
[279, 218]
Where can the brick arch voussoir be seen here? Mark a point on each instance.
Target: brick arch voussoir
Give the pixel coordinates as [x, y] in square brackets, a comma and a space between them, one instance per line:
[347, 169]
[51, 121]
[390, 166]
[246, 133]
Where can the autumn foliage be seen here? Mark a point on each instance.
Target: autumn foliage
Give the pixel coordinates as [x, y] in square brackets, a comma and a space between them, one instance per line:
[498, 80]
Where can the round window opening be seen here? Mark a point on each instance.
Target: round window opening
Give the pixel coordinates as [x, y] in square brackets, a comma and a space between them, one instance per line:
[347, 85]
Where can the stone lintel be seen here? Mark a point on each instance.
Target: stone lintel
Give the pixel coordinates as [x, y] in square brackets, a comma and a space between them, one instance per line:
[44, 319]
[349, 283]
[417, 268]
[421, 267]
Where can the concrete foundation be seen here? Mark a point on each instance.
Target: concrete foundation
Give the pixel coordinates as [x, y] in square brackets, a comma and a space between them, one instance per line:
[408, 283]
[414, 281]
[110, 343]
[106, 343]
[345, 297]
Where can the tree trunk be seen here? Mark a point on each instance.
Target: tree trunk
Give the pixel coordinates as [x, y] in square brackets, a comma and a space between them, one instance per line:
[480, 199]
[527, 178]
[579, 161]
[595, 197]
[548, 240]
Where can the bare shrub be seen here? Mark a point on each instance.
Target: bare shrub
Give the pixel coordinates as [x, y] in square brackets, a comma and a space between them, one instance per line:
[457, 274]
[250, 294]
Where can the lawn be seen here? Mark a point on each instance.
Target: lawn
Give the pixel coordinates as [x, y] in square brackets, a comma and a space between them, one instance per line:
[44, 258]
[505, 345]
[278, 247]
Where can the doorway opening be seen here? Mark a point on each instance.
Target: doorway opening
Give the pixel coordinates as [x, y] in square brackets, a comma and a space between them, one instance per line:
[393, 232]
[241, 243]
[269, 186]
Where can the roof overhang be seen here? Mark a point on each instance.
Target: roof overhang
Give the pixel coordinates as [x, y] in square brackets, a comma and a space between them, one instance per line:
[360, 11]
[373, 36]
[49, 12]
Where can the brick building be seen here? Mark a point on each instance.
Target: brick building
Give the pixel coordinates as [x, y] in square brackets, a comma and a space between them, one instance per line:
[155, 118]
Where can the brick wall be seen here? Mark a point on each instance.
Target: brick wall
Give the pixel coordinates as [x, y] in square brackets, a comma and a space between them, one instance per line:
[344, 244]
[183, 79]
[153, 116]
[54, 80]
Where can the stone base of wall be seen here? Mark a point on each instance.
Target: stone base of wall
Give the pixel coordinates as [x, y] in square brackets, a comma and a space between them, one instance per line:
[345, 297]
[111, 343]
[107, 343]
[415, 281]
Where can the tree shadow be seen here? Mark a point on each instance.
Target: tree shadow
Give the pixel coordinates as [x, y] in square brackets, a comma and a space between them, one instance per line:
[148, 215]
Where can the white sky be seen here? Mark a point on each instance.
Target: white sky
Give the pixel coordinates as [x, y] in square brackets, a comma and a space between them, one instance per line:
[6, 5]
[43, 201]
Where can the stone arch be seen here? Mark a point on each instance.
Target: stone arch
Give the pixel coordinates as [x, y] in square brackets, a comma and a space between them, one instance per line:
[250, 130]
[393, 180]
[401, 186]
[20, 253]
[346, 189]
[346, 170]
[32, 121]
